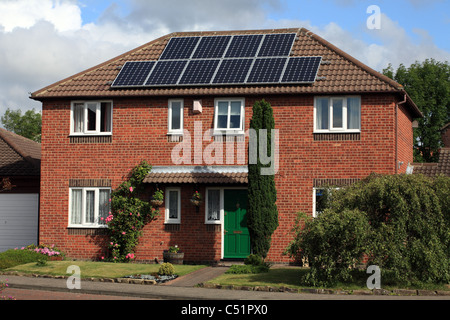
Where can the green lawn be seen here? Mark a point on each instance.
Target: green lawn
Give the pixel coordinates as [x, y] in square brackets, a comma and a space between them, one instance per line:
[98, 269]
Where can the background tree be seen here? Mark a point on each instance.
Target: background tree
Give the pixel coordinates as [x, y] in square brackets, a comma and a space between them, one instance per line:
[27, 125]
[262, 214]
[428, 85]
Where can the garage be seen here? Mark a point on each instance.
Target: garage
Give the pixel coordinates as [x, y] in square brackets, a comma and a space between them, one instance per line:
[20, 160]
[18, 220]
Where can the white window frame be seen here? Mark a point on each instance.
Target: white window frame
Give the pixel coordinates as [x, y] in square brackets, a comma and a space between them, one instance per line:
[331, 128]
[221, 206]
[315, 214]
[97, 131]
[169, 120]
[84, 224]
[167, 218]
[228, 130]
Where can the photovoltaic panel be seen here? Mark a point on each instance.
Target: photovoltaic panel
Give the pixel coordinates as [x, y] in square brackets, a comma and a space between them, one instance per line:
[244, 46]
[211, 47]
[232, 71]
[133, 73]
[180, 48]
[166, 72]
[301, 69]
[267, 70]
[277, 45]
[199, 71]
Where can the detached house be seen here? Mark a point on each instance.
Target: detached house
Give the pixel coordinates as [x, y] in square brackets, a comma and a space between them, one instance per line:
[183, 103]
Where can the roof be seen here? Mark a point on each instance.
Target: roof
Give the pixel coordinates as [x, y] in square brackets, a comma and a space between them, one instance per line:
[19, 156]
[198, 174]
[434, 169]
[338, 73]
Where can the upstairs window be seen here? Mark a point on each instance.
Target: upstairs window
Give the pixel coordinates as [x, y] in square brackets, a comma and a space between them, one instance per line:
[229, 116]
[175, 117]
[91, 118]
[337, 114]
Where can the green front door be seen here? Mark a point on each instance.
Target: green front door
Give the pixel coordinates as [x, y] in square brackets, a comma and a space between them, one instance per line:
[236, 238]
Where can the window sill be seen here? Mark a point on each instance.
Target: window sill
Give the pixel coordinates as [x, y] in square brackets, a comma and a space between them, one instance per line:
[228, 133]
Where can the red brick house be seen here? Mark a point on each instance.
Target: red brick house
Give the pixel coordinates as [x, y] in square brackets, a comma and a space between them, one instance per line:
[337, 128]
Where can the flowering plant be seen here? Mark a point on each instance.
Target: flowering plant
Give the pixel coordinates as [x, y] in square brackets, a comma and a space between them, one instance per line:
[44, 249]
[197, 196]
[158, 195]
[129, 214]
[4, 285]
[174, 249]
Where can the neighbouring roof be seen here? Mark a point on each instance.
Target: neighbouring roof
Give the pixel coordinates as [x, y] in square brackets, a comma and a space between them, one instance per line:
[19, 156]
[434, 169]
[198, 174]
[338, 73]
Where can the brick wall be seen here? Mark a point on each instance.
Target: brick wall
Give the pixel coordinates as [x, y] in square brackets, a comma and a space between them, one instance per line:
[140, 132]
[445, 136]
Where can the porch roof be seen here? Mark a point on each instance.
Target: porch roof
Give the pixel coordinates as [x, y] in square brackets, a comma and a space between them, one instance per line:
[198, 174]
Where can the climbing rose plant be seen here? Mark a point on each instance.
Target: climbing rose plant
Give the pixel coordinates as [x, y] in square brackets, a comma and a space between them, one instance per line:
[129, 214]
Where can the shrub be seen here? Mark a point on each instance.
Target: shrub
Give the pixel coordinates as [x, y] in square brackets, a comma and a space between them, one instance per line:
[400, 222]
[11, 258]
[166, 269]
[254, 259]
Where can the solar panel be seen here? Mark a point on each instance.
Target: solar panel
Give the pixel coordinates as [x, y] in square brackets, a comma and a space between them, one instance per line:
[301, 69]
[166, 72]
[267, 70]
[211, 47]
[244, 46]
[133, 73]
[180, 48]
[199, 72]
[277, 45]
[232, 71]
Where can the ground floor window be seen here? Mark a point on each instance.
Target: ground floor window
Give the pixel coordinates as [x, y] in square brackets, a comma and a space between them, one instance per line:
[214, 205]
[89, 207]
[173, 205]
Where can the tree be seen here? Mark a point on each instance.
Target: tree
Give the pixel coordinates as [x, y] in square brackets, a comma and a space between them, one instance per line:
[428, 85]
[262, 214]
[27, 125]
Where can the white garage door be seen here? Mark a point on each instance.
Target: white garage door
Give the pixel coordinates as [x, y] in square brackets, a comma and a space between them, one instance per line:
[18, 220]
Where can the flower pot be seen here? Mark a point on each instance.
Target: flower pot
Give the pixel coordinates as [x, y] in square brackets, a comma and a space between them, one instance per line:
[173, 257]
[156, 203]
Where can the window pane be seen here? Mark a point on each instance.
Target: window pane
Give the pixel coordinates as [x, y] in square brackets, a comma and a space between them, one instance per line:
[354, 113]
[222, 115]
[176, 116]
[322, 114]
[91, 117]
[104, 208]
[90, 206]
[105, 120]
[173, 204]
[337, 113]
[78, 117]
[213, 205]
[235, 115]
[75, 207]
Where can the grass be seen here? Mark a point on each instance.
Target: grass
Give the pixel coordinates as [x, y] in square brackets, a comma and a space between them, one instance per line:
[26, 261]
[291, 277]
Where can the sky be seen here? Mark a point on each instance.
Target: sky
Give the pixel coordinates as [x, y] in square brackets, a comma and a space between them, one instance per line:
[44, 41]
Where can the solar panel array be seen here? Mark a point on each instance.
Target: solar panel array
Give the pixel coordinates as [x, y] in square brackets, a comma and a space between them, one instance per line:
[222, 60]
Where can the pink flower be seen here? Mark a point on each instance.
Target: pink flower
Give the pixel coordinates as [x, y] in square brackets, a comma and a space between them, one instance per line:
[131, 214]
[124, 232]
[131, 189]
[102, 257]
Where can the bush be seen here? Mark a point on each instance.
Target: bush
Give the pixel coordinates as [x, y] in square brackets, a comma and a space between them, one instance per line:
[400, 222]
[254, 259]
[11, 258]
[166, 269]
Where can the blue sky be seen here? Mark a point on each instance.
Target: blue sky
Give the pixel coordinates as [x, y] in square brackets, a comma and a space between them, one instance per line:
[44, 41]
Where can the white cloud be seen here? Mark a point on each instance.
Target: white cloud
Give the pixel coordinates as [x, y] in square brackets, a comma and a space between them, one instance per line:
[64, 15]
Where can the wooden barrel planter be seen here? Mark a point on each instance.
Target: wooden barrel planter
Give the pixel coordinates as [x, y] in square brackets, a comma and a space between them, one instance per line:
[173, 257]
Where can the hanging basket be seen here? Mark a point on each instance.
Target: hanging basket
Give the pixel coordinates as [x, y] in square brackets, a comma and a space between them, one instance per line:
[196, 202]
[156, 203]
